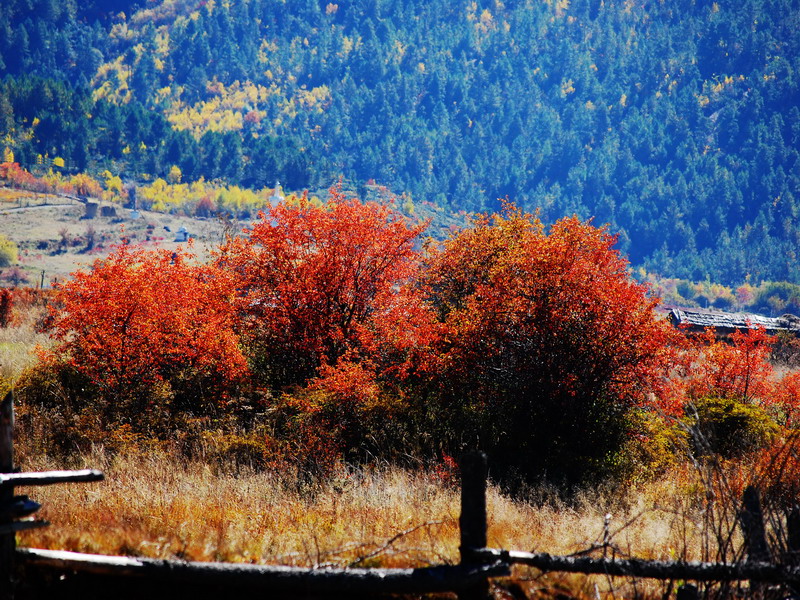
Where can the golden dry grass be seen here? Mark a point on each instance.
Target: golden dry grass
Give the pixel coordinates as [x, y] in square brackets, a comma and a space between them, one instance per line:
[152, 505]
[155, 505]
[18, 342]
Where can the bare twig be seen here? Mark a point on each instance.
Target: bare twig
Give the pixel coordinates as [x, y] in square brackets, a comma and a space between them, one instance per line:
[391, 541]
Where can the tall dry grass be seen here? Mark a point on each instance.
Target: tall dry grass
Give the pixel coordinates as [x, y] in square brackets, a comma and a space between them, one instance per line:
[18, 342]
[155, 505]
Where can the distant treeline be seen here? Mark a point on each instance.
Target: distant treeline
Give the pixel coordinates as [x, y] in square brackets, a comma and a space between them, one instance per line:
[676, 122]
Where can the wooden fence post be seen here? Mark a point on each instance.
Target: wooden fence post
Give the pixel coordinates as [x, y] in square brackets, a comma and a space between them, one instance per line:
[472, 522]
[8, 541]
[753, 526]
[792, 556]
[793, 534]
[755, 536]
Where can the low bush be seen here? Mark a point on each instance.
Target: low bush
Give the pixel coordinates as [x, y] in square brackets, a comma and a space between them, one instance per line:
[729, 428]
[9, 253]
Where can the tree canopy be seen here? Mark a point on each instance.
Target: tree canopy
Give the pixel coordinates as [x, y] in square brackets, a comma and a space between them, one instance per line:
[675, 122]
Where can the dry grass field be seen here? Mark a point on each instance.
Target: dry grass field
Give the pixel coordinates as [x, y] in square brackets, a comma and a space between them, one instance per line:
[154, 506]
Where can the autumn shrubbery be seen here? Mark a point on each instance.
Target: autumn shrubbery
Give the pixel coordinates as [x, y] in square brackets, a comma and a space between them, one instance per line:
[144, 341]
[331, 333]
[551, 345]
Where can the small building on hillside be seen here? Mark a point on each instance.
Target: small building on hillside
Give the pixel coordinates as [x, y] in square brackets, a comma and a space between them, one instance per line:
[693, 320]
[183, 235]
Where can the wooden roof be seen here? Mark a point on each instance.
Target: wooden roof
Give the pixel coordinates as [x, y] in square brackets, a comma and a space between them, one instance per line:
[695, 319]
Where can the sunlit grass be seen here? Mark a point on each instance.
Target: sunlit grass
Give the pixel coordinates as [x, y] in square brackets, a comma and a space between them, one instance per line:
[155, 505]
[152, 505]
[17, 347]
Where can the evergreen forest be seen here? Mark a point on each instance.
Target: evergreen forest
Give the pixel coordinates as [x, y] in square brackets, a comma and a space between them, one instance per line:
[677, 122]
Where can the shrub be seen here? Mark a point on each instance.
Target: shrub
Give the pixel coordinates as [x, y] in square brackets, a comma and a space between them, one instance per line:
[151, 332]
[205, 207]
[9, 254]
[658, 444]
[729, 427]
[549, 344]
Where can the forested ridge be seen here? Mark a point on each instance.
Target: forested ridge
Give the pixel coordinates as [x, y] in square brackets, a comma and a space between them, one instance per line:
[677, 122]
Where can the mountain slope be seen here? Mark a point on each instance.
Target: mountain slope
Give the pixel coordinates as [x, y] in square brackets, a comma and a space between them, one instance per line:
[675, 122]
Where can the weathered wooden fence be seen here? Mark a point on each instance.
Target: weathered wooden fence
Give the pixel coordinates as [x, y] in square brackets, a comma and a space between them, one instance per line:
[13, 507]
[122, 577]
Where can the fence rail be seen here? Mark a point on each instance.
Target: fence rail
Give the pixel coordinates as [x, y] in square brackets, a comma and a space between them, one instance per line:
[647, 569]
[274, 578]
[470, 579]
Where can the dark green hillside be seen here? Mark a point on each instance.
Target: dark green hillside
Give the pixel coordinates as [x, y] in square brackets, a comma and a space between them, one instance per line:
[677, 122]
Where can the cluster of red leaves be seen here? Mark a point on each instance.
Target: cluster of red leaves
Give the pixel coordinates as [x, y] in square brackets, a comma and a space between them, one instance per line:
[558, 305]
[16, 175]
[141, 318]
[736, 370]
[786, 396]
[447, 471]
[317, 283]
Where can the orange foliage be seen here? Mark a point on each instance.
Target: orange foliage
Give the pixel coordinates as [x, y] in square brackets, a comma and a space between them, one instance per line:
[562, 304]
[16, 175]
[86, 186]
[319, 282]
[738, 370]
[549, 342]
[80, 184]
[144, 319]
[786, 397]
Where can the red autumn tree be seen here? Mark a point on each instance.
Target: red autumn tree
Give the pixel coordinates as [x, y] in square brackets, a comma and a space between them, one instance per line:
[787, 398]
[550, 344]
[144, 323]
[738, 369]
[318, 282]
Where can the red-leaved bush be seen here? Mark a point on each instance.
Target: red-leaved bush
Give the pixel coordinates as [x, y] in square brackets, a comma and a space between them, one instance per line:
[144, 320]
[316, 283]
[549, 342]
